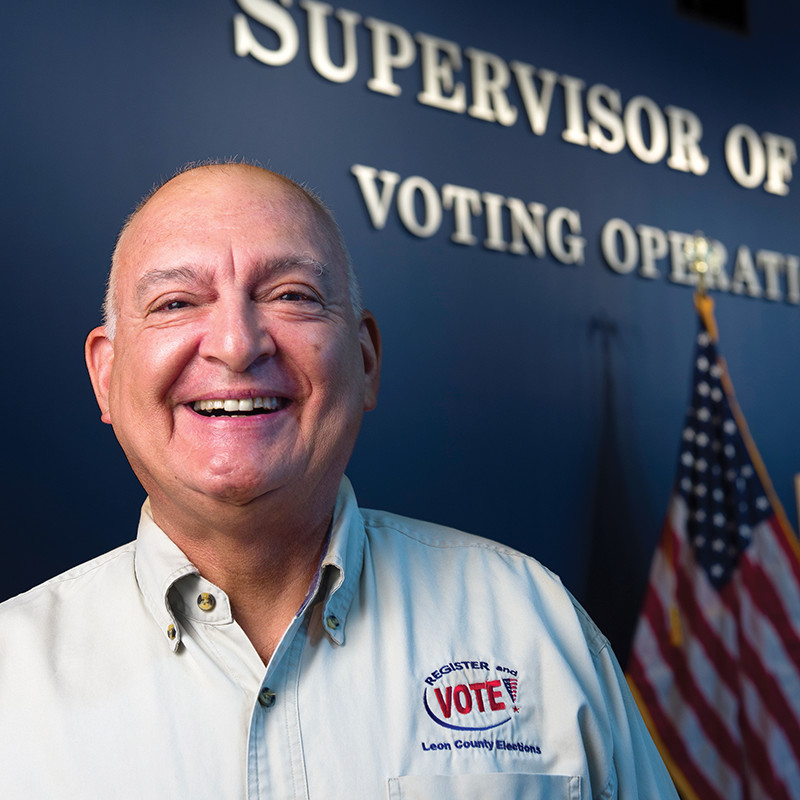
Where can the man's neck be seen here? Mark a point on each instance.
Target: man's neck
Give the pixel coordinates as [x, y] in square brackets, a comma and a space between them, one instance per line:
[264, 562]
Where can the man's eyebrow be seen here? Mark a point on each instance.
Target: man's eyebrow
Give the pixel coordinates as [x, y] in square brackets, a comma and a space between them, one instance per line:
[273, 267]
[154, 277]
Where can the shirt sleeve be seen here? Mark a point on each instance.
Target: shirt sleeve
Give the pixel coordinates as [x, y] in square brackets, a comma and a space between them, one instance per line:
[639, 769]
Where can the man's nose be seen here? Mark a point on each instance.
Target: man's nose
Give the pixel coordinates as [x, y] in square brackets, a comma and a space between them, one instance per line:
[237, 335]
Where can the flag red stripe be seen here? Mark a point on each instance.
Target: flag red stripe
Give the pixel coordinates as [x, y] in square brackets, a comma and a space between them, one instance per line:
[768, 601]
[757, 756]
[694, 617]
[716, 732]
[772, 700]
[771, 696]
[758, 764]
[764, 683]
[670, 736]
[765, 597]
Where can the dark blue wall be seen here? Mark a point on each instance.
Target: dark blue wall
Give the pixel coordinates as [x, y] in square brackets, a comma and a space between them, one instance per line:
[523, 399]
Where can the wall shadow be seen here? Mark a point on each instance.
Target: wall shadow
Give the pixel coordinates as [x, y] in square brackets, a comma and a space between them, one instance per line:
[614, 578]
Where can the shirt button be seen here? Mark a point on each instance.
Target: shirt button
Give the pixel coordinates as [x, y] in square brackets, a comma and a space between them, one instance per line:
[332, 622]
[206, 601]
[171, 632]
[266, 697]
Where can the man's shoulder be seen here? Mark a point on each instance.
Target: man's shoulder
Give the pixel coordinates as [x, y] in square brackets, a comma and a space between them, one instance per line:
[89, 576]
[502, 569]
[430, 534]
[428, 545]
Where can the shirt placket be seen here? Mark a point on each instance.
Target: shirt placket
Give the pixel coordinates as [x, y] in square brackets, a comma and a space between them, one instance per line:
[275, 763]
[275, 758]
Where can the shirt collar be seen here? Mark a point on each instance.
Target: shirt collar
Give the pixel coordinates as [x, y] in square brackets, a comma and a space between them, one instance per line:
[343, 561]
[160, 564]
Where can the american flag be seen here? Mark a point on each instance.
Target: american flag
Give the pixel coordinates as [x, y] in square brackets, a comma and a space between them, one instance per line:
[511, 688]
[715, 662]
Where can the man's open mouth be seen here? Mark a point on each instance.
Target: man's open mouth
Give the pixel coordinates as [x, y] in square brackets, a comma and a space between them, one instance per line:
[248, 407]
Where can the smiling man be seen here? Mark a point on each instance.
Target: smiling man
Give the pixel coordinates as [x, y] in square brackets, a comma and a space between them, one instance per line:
[264, 636]
[235, 378]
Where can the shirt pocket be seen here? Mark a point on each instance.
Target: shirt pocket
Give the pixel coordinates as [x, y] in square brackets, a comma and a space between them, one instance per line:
[487, 786]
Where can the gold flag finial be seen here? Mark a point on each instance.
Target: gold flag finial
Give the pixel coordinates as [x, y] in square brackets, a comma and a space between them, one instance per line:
[702, 258]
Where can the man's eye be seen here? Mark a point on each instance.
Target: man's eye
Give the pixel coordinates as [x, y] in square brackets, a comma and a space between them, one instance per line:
[172, 305]
[295, 297]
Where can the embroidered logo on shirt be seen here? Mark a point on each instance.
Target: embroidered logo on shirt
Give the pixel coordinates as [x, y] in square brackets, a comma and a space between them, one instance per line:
[511, 684]
[471, 695]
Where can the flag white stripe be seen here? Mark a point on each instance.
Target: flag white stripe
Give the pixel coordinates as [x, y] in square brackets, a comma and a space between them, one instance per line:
[780, 753]
[715, 612]
[768, 644]
[771, 557]
[757, 791]
[703, 753]
[715, 691]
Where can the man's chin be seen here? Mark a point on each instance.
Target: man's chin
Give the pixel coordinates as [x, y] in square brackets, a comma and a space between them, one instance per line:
[239, 492]
[205, 494]
[237, 496]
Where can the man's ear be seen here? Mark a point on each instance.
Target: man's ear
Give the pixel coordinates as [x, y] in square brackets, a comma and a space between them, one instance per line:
[370, 338]
[99, 352]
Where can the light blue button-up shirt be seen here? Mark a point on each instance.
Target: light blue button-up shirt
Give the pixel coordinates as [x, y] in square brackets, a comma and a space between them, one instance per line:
[425, 663]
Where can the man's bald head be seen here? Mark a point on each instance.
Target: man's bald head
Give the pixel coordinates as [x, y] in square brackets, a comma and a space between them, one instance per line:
[327, 225]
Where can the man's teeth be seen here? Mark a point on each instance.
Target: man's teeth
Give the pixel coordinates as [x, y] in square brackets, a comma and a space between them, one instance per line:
[232, 406]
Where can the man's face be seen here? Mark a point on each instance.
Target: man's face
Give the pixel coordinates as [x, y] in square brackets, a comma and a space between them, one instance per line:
[230, 293]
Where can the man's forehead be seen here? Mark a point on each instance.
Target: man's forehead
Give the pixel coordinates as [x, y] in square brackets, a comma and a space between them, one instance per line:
[227, 187]
[228, 193]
